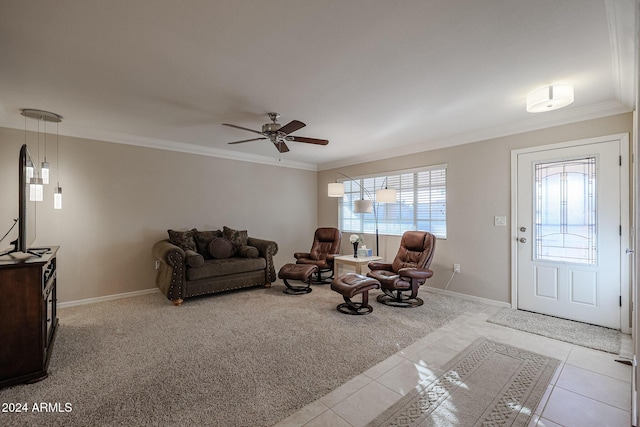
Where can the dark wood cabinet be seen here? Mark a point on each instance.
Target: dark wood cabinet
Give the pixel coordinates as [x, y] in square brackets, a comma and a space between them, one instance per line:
[28, 319]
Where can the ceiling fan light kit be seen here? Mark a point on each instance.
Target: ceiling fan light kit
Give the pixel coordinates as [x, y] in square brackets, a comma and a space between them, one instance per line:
[279, 134]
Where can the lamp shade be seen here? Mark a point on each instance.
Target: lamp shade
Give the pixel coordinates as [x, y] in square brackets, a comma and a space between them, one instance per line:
[335, 189]
[549, 98]
[386, 195]
[362, 206]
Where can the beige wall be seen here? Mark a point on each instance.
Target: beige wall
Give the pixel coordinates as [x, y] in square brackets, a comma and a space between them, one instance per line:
[478, 188]
[120, 199]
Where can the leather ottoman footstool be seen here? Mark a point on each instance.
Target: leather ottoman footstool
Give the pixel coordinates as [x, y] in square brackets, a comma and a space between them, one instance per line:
[351, 284]
[301, 272]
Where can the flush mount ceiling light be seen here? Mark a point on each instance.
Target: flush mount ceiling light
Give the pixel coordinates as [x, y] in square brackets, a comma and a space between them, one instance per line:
[549, 98]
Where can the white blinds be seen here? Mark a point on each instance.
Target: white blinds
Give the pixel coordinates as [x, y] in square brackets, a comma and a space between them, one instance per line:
[421, 203]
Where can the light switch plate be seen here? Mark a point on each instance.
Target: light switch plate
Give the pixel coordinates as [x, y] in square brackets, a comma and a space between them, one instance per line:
[500, 221]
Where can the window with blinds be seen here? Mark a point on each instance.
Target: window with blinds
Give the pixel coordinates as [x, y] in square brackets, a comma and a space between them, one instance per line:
[421, 203]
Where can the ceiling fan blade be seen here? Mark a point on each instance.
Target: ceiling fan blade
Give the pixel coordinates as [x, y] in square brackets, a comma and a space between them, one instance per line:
[309, 140]
[245, 140]
[240, 127]
[281, 146]
[292, 126]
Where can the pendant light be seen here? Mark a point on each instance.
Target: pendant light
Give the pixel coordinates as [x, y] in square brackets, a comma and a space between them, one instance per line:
[35, 189]
[29, 162]
[44, 170]
[57, 197]
[37, 180]
[57, 192]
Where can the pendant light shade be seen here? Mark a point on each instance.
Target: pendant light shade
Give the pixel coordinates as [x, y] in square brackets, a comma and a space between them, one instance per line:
[35, 189]
[549, 98]
[44, 171]
[57, 197]
[335, 189]
[30, 170]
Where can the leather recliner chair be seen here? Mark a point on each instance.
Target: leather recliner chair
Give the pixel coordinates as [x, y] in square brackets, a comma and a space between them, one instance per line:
[326, 245]
[400, 280]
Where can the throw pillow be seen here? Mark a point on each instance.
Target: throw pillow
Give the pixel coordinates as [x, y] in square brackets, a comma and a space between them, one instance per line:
[237, 237]
[247, 251]
[221, 248]
[203, 239]
[194, 259]
[183, 239]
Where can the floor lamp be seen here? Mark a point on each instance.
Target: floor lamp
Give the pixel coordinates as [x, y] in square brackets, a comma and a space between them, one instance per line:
[383, 195]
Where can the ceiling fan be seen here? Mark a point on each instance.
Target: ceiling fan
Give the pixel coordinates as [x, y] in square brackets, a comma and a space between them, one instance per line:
[279, 134]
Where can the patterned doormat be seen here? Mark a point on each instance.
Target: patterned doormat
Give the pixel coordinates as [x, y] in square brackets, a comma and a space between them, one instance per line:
[488, 383]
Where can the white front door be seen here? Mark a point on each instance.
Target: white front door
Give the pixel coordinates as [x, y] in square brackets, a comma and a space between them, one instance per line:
[568, 232]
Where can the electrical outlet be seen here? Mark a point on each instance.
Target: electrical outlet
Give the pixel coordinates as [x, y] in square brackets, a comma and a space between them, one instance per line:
[500, 221]
[456, 268]
[157, 265]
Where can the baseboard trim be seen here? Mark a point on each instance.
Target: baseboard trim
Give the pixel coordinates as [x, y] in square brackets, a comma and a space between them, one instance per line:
[106, 298]
[152, 290]
[468, 297]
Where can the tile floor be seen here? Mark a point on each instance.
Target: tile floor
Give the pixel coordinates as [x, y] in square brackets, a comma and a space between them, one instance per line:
[589, 387]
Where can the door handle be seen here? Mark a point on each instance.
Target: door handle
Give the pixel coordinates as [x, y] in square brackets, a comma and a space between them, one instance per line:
[522, 240]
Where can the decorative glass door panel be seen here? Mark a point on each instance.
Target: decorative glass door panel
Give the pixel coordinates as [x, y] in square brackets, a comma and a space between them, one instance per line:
[565, 211]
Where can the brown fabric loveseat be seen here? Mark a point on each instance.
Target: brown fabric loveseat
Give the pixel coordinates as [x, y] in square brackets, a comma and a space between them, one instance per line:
[194, 263]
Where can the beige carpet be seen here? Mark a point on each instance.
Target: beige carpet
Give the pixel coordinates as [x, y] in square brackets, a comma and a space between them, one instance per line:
[247, 358]
[487, 384]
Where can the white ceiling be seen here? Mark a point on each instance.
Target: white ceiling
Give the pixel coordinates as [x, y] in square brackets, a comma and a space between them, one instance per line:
[375, 77]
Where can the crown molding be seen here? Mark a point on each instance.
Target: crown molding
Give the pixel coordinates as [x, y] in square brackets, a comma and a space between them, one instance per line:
[536, 122]
[161, 144]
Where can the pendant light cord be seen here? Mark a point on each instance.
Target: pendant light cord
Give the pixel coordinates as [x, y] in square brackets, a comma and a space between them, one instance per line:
[57, 153]
[45, 139]
[38, 162]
